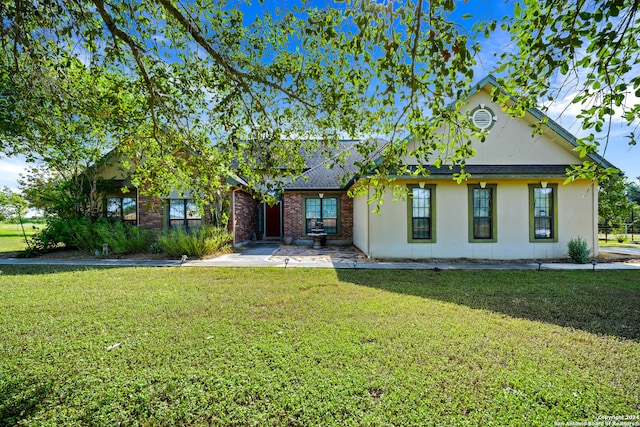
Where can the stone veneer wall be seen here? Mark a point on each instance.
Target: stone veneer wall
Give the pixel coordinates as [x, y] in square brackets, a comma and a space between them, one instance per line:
[293, 216]
[245, 216]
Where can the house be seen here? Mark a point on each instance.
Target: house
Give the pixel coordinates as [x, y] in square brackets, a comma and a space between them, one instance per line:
[514, 206]
[122, 201]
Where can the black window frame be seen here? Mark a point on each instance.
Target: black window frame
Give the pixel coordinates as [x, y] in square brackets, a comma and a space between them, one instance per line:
[185, 220]
[120, 214]
[549, 221]
[307, 224]
[412, 235]
[477, 222]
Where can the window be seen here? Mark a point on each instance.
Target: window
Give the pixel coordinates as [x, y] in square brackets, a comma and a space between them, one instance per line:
[421, 214]
[543, 218]
[121, 209]
[323, 211]
[184, 213]
[482, 213]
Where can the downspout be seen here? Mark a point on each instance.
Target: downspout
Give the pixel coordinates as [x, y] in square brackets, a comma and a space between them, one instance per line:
[233, 215]
[594, 219]
[368, 222]
[281, 203]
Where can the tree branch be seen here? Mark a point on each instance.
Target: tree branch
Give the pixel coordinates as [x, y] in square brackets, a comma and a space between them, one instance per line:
[136, 52]
[238, 76]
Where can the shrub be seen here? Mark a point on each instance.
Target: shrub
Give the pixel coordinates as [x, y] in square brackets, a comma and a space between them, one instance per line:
[123, 238]
[578, 251]
[197, 242]
[69, 232]
[620, 233]
[89, 235]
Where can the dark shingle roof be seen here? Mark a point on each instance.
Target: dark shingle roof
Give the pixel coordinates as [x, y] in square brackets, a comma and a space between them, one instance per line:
[323, 174]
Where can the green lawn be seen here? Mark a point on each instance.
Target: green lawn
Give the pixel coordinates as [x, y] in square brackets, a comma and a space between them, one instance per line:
[11, 237]
[223, 346]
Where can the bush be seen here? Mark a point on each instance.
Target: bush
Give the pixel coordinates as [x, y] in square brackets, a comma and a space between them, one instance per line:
[67, 232]
[89, 236]
[578, 251]
[123, 238]
[197, 242]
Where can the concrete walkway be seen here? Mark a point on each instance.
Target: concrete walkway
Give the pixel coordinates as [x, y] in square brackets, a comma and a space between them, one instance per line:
[634, 252]
[273, 255]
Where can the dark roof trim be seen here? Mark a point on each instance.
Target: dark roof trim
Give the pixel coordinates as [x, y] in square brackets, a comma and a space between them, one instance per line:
[315, 190]
[494, 171]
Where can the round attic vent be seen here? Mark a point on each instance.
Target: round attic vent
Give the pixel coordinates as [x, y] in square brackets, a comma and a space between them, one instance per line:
[482, 117]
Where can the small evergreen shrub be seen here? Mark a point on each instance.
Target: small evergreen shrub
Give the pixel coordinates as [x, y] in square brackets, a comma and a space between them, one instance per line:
[578, 251]
[197, 242]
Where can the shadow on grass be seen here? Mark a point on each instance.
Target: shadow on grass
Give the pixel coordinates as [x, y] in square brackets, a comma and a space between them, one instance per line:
[19, 399]
[604, 302]
[30, 269]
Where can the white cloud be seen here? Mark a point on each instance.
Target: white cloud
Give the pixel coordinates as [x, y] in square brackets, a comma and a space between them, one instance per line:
[10, 169]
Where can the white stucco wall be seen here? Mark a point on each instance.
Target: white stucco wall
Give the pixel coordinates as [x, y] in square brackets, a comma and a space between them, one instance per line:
[388, 237]
[361, 223]
[510, 140]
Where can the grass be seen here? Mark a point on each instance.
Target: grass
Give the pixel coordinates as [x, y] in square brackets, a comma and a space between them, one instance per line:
[626, 243]
[199, 346]
[11, 237]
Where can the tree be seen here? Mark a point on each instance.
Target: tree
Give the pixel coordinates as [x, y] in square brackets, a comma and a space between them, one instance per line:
[13, 207]
[224, 88]
[632, 190]
[66, 118]
[595, 46]
[613, 205]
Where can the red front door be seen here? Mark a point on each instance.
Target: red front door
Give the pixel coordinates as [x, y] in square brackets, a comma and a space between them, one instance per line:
[272, 220]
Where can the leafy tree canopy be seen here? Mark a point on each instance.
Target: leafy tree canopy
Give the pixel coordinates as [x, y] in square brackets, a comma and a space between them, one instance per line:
[194, 89]
[632, 190]
[12, 205]
[613, 204]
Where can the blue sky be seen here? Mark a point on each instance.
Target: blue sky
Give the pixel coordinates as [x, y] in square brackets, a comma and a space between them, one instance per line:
[562, 111]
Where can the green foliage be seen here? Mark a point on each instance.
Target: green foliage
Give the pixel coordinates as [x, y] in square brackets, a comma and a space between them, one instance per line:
[613, 204]
[89, 236]
[594, 44]
[265, 89]
[122, 238]
[12, 205]
[632, 190]
[196, 242]
[309, 347]
[192, 90]
[578, 251]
